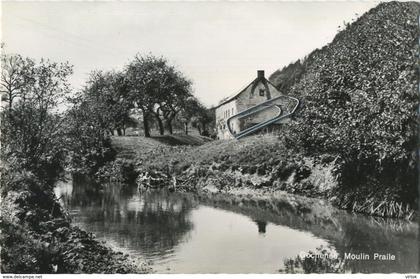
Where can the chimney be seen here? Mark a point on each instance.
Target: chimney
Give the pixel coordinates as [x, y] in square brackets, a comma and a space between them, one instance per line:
[260, 74]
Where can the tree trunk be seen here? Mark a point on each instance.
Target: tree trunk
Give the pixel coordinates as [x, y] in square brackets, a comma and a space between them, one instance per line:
[160, 124]
[205, 132]
[169, 126]
[186, 128]
[146, 126]
[199, 129]
[10, 105]
[119, 132]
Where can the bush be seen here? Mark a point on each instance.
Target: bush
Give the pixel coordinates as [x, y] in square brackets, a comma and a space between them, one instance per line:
[359, 100]
[120, 170]
[22, 253]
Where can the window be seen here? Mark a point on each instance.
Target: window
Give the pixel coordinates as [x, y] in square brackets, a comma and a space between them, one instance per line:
[262, 92]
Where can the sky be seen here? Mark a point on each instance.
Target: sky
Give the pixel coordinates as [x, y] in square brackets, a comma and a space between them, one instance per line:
[218, 45]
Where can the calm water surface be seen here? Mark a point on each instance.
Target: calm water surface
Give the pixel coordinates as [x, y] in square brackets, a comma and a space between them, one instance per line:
[183, 233]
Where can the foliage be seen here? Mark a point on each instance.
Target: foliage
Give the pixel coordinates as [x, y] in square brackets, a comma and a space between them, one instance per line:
[36, 139]
[26, 245]
[148, 87]
[16, 76]
[197, 114]
[109, 92]
[288, 76]
[359, 101]
[31, 133]
[102, 107]
[157, 89]
[22, 253]
[204, 120]
[119, 170]
[37, 238]
[87, 136]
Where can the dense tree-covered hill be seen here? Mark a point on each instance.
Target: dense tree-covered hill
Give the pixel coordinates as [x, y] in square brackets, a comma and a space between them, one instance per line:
[359, 100]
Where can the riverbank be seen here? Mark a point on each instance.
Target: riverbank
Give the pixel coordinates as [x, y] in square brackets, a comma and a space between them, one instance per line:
[38, 237]
[258, 162]
[169, 229]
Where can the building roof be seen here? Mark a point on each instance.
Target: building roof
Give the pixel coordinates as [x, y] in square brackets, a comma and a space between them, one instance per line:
[236, 95]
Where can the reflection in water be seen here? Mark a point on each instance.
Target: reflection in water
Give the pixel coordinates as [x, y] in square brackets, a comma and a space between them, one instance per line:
[261, 226]
[346, 232]
[151, 222]
[184, 233]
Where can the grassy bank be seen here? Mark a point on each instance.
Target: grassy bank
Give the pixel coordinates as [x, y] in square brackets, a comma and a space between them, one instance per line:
[258, 162]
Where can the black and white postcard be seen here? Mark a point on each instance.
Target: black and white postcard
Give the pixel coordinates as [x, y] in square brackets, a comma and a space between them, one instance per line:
[209, 137]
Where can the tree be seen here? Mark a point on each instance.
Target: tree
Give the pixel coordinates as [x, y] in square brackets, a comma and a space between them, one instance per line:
[87, 135]
[31, 136]
[157, 89]
[110, 92]
[16, 77]
[141, 74]
[360, 102]
[103, 106]
[190, 109]
[203, 119]
[178, 90]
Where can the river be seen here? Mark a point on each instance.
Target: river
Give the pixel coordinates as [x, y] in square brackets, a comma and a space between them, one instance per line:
[187, 233]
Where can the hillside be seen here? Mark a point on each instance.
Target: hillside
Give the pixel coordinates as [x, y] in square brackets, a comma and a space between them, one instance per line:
[359, 98]
[287, 76]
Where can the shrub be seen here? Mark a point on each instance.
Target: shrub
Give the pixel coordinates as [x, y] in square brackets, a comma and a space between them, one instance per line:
[359, 100]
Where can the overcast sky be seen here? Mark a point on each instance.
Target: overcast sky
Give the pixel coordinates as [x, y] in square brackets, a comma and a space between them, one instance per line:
[219, 45]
